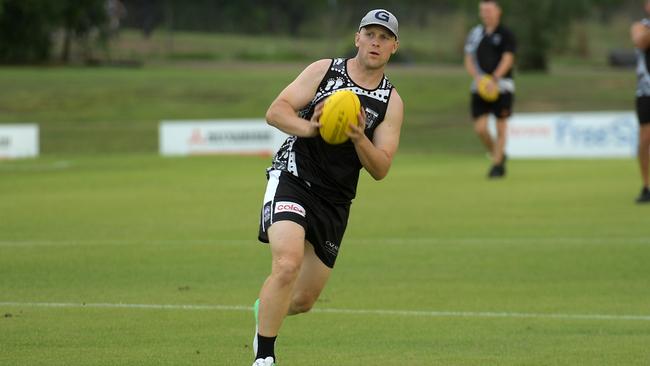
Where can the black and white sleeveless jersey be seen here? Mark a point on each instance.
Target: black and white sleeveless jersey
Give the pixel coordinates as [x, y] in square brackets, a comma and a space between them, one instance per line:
[642, 67]
[487, 50]
[332, 171]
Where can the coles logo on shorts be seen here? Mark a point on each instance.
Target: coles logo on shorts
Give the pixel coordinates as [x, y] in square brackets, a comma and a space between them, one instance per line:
[286, 206]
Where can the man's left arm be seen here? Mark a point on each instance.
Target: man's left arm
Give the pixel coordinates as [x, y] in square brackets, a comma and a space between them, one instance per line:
[506, 63]
[508, 57]
[376, 156]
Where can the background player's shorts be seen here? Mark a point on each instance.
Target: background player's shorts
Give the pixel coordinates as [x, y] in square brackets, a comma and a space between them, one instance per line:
[643, 109]
[501, 108]
[289, 198]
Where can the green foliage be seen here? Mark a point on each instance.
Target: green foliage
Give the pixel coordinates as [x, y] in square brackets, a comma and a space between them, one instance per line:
[81, 16]
[243, 16]
[537, 24]
[78, 19]
[26, 26]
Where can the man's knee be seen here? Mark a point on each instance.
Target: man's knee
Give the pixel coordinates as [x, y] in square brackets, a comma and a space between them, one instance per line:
[286, 270]
[502, 129]
[644, 137]
[481, 128]
[302, 303]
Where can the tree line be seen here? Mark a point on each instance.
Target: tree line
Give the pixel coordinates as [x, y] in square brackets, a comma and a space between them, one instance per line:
[27, 26]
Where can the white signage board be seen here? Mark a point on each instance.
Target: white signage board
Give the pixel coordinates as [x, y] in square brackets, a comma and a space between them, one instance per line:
[231, 136]
[572, 135]
[18, 141]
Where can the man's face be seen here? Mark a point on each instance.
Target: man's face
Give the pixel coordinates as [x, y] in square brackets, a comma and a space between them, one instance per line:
[376, 44]
[490, 14]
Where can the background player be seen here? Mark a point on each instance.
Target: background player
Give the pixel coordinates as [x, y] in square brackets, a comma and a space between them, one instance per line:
[490, 50]
[640, 34]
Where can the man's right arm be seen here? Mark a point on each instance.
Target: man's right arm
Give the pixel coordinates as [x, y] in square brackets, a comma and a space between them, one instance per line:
[470, 67]
[470, 48]
[640, 34]
[283, 112]
[474, 72]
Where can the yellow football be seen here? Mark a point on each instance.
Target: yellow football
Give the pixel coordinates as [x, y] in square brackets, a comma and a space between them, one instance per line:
[488, 96]
[339, 111]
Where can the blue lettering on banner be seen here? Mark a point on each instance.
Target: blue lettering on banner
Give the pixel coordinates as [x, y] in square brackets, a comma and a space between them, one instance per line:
[617, 133]
[382, 15]
[5, 141]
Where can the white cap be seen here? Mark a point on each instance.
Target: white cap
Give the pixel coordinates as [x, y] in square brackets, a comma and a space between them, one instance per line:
[381, 17]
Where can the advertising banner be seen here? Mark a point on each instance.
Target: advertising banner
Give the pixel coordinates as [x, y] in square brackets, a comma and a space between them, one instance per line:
[572, 135]
[202, 137]
[18, 141]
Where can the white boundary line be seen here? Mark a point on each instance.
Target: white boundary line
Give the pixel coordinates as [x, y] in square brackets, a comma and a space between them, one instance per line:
[413, 313]
[360, 241]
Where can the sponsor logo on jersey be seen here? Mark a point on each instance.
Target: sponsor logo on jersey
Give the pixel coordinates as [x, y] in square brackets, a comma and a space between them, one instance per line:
[371, 117]
[286, 206]
[496, 39]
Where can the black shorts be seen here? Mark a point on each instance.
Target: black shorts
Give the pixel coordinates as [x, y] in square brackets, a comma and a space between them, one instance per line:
[501, 108]
[643, 109]
[289, 198]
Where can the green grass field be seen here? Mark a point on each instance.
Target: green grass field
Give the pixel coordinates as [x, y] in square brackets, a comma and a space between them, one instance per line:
[439, 266]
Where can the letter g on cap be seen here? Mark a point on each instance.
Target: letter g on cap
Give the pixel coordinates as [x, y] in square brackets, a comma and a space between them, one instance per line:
[382, 15]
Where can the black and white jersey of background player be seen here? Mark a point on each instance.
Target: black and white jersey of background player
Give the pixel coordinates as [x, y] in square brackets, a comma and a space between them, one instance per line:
[487, 51]
[318, 178]
[643, 81]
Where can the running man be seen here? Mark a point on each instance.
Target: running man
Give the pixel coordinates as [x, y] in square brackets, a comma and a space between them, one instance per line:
[490, 50]
[311, 184]
[640, 34]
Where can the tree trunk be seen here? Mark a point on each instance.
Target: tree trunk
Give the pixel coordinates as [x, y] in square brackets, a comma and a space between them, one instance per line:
[67, 44]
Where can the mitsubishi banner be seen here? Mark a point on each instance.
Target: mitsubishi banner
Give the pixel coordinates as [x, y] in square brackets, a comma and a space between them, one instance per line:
[202, 137]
